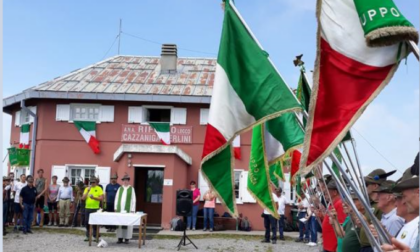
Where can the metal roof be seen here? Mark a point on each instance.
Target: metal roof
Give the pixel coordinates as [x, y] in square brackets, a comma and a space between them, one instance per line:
[132, 78]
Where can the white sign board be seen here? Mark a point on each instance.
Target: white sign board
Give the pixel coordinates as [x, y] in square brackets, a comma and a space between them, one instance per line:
[168, 182]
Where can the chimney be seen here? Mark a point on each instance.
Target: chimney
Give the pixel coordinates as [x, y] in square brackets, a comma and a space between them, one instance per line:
[169, 57]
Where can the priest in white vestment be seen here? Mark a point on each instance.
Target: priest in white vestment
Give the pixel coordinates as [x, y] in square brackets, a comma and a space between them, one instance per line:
[125, 202]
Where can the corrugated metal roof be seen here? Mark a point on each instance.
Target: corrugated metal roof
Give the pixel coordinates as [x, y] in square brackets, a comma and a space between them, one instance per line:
[138, 75]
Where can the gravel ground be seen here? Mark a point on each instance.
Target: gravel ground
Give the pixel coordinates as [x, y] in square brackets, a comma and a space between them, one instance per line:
[61, 242]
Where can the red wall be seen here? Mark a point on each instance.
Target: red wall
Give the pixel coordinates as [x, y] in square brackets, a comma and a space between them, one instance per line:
[59, 143]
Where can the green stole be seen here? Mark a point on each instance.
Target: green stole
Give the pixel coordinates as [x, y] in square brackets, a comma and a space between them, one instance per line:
[127, 201]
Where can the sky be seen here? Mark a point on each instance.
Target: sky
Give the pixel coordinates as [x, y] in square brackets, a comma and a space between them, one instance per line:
[46, 39]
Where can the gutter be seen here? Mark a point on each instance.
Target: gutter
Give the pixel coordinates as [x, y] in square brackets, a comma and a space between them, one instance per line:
[34, 131]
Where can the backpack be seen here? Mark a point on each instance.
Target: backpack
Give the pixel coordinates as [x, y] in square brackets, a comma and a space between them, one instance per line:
[177, 224]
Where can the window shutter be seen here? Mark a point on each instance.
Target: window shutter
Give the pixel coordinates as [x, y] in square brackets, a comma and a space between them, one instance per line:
[106, 113]
[31, 118]
[204, 116]
[244, 195]
[63, 112]
[202, 185]
[179, 116]
[17, 119]
[104, 174]
[135, 115]
[60, 172]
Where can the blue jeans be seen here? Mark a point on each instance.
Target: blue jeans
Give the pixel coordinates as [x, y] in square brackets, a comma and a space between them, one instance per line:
[193, 216]
[281, 226]
[28, 216]
[313, 228]
[208, 214]
[303, 226]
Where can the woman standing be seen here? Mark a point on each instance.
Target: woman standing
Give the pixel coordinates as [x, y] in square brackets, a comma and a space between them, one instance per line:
[196, 203]
[52, 204]
[209, 205]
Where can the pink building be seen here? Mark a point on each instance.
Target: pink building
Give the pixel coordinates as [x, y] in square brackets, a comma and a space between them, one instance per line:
[122, 94]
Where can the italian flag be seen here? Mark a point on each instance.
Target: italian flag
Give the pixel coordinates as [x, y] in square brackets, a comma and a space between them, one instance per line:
[163, 131]
[247, 91]
[348, 76]
[237, 147]
[88, 132]
[24, 136]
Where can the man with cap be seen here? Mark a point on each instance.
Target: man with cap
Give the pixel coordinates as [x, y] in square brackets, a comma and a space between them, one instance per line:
[65, 201]
[336, 209]
[110, 193]
[373, 180]
[125, 202]
[93, 196]
[386, 204]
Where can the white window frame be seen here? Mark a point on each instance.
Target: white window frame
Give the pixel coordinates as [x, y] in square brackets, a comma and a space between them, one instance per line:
[238, 200]
[204, 116]
[73, 106]
[23, 117]
[82, 173]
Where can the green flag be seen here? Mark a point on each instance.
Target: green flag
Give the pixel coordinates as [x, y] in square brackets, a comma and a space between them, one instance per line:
[340, 158]
[13, 159]
[273, 178]
[23, 156]
[258, 177]
[383, 24]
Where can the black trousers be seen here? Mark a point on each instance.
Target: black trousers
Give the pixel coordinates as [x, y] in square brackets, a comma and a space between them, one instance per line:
[87, 214]
[270, 224]
[366, 249]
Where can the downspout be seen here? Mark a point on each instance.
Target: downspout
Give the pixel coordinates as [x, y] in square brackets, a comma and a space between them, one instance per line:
[34, 129]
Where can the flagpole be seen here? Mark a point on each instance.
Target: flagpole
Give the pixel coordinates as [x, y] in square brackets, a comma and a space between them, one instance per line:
[414, 48]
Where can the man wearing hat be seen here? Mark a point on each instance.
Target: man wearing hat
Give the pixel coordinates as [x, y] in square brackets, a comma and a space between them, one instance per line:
[6, 195]
[373, 180]
[125, 203]
[93, 196]
[328, 233]
[80, 205]
[110, 193]
[386, 204]
[65, 201]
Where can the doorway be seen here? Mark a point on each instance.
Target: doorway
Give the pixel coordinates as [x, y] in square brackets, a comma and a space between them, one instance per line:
[148, 184]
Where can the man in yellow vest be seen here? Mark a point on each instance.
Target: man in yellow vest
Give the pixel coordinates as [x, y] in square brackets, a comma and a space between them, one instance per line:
[93, 195]
[125, 202]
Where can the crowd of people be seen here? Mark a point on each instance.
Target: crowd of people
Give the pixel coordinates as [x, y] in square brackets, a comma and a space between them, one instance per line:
[326, 210]
[24, 199]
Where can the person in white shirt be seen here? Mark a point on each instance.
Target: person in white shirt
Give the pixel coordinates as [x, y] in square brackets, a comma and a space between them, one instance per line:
[270, 224]
[281, 202]
[303, 206]
[18, 210]
[65, 200]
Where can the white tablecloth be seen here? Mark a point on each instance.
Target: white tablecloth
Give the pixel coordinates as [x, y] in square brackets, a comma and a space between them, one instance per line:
[117, 219]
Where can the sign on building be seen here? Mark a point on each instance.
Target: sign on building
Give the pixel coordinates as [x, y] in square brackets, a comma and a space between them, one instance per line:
[145, 134]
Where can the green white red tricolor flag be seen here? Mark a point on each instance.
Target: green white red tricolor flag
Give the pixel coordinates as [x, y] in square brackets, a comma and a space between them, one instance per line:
[24, 136]
[88, 132]
[247, 91]
[348, 76]
[163, 130]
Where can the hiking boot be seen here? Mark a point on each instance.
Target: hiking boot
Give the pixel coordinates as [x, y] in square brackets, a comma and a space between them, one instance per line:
[29, 232]
[120, 240]
[127, 241]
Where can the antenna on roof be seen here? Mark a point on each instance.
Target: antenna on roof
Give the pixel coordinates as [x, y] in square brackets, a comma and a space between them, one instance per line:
[119, 37]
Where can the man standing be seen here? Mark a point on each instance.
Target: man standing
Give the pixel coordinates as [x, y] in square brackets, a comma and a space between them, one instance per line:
[27, 199]
[110, 192]
[282, 201]
[336, 208]
[125, 203]
[270, 224]
[17, 207]
[11, 199]
[93, 195]
[80, 205]
[6, 195]
[65, 201]
[303, 206]
[41, 187]
[386, 203]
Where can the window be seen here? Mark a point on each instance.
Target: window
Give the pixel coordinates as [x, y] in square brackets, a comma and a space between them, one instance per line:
[237, 184]
[25, 117]
[158, 115]
[154, 186]
[85, 112]
[204, 116]
[79, 173]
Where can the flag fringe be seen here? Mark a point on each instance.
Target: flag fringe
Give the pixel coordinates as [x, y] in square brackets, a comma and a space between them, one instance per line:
[387, 36]
[312, 106]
